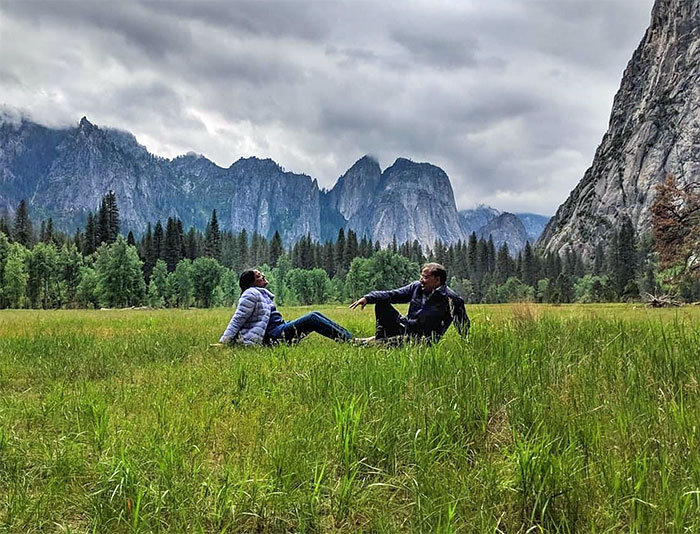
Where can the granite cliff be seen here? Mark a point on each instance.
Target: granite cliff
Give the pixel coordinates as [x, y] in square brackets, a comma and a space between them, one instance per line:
[654, 130]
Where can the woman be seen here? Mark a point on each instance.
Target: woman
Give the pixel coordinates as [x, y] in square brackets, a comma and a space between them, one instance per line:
[257, 320]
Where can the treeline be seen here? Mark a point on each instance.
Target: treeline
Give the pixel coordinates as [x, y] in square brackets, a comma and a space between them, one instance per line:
[166, 266]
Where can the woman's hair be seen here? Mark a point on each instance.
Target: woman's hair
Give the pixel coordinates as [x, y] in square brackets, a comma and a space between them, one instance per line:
[246, 279]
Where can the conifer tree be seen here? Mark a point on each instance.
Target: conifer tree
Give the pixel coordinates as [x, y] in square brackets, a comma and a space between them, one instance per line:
[212, 238]
[23, 231]
[351, 249]
[130, 240]
[276, 248]
[472, 256]
[528, 266]
[599, 260]
[243, 259]
[340, 254]
[90, 236]
[172, 247]
[157, 242]
[112, 216]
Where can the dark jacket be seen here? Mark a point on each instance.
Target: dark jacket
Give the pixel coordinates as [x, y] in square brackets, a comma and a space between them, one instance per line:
[431, 319]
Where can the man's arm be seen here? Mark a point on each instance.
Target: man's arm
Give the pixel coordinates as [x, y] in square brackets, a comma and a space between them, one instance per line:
[245, 308]
[395, 296]
[459, 315]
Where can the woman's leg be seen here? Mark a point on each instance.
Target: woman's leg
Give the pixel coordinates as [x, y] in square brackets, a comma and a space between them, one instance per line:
[314, 322]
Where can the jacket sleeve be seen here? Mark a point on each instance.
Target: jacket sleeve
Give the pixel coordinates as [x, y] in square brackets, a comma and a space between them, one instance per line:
[244, 310]
[459, 315]
[395, 296]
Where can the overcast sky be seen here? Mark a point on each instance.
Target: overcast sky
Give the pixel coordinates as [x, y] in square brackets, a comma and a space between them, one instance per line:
[510, 98]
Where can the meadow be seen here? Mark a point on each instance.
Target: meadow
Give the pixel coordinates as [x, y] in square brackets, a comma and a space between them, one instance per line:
[545, 419]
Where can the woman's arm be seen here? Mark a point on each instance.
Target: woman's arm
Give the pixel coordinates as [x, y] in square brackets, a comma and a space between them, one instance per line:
[245, 308]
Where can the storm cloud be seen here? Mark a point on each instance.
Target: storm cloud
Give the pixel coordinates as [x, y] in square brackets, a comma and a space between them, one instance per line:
[510, 98]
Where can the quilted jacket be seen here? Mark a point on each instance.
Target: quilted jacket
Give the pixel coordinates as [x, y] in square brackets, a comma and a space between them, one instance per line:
[249, 322]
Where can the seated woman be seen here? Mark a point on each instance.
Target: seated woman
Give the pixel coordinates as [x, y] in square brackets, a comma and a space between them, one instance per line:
[257, 320]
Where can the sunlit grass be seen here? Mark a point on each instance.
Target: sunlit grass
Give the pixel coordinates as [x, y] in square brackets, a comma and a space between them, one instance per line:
[561, 418]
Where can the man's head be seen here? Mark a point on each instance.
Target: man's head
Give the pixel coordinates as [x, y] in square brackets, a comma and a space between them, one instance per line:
[432, 276]
[252, 278]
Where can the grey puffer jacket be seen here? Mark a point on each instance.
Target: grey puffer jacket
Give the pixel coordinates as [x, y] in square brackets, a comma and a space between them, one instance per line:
[249, 322]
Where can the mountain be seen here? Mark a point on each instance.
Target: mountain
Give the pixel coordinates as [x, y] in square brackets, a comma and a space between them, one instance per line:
[534, 224]
[473, 219]
[411, 201]
[485, 220]
[63, 173]
[654, 130]
[506, 228]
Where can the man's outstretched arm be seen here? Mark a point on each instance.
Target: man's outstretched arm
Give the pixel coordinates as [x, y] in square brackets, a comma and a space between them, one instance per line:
[395, 296]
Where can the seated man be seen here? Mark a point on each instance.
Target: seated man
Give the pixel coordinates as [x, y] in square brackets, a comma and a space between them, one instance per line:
[257, 320]
[433, 306]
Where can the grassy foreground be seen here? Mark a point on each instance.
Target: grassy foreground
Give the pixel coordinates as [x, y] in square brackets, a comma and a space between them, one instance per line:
[546, 419]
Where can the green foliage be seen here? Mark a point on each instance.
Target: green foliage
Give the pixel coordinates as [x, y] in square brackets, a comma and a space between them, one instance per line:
[308, 286]
[15, 276]
[180, 285]
[205, 274]
[515, 291]
[118, 268]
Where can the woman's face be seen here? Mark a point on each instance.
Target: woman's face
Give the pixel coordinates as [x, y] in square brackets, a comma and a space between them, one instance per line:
[260, 280]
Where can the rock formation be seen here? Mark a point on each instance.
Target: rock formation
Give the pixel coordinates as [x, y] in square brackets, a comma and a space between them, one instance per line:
[654, 130]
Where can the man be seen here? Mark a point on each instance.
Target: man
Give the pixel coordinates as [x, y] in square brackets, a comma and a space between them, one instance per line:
[257, 320]
[433, 307]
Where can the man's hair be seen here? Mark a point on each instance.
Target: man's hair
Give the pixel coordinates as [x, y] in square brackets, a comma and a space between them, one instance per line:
[437, 270]
[246, 279]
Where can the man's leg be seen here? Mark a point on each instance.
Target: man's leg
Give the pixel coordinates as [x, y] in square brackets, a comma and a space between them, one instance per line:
[314, 322]
[388, 321]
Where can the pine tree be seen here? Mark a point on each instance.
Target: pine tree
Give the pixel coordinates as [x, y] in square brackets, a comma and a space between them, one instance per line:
[130, 240]
[172, 248]
[243, 257]
[504, 267]
[276, 248]
[157, 242]
[472, 256]
[528, 266]
[112, 216]
[147, 253]
[102, 224]
[340, 254]
[90, 241]
[23, 231]
[212, 238]
[351, 249]
[627, 257]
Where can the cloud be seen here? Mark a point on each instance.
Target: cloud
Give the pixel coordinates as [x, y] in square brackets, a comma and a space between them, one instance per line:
[510, 98]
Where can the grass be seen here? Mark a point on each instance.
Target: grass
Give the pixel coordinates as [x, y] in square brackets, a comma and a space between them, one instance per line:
[546, 419]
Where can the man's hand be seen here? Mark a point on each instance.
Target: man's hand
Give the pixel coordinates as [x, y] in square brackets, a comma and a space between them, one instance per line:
[361, 303]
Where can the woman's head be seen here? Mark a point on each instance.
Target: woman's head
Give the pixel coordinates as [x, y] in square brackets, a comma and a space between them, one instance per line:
[251, 278]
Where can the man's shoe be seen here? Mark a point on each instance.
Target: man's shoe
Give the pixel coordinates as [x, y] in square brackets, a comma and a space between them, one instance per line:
[362, 341]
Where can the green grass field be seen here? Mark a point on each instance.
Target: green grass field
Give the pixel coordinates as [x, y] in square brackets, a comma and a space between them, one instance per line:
[546, 419]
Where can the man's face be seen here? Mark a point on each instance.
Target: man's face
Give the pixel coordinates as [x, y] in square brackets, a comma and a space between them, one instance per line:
[260, 280]
[429, 281]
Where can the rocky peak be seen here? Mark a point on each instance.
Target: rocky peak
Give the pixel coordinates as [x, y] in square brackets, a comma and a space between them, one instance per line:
[506, 228]
[654, 130]
[351, 191]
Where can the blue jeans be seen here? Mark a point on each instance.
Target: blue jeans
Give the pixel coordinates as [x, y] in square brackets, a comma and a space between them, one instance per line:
[311, 322]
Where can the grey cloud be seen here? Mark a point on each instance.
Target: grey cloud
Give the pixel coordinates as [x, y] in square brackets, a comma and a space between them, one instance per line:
[438, 50]
[507, 97]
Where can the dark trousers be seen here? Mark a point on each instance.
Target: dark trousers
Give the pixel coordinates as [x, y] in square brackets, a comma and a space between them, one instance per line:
[311, 322]
[389, 322]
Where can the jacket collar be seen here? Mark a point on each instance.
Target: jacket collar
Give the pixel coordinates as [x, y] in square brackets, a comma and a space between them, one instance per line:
[442, 289]
[265, 292]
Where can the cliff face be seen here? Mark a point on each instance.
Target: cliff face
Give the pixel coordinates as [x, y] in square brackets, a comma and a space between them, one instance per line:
[506, 228]
[654, 130]
[413, 201]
